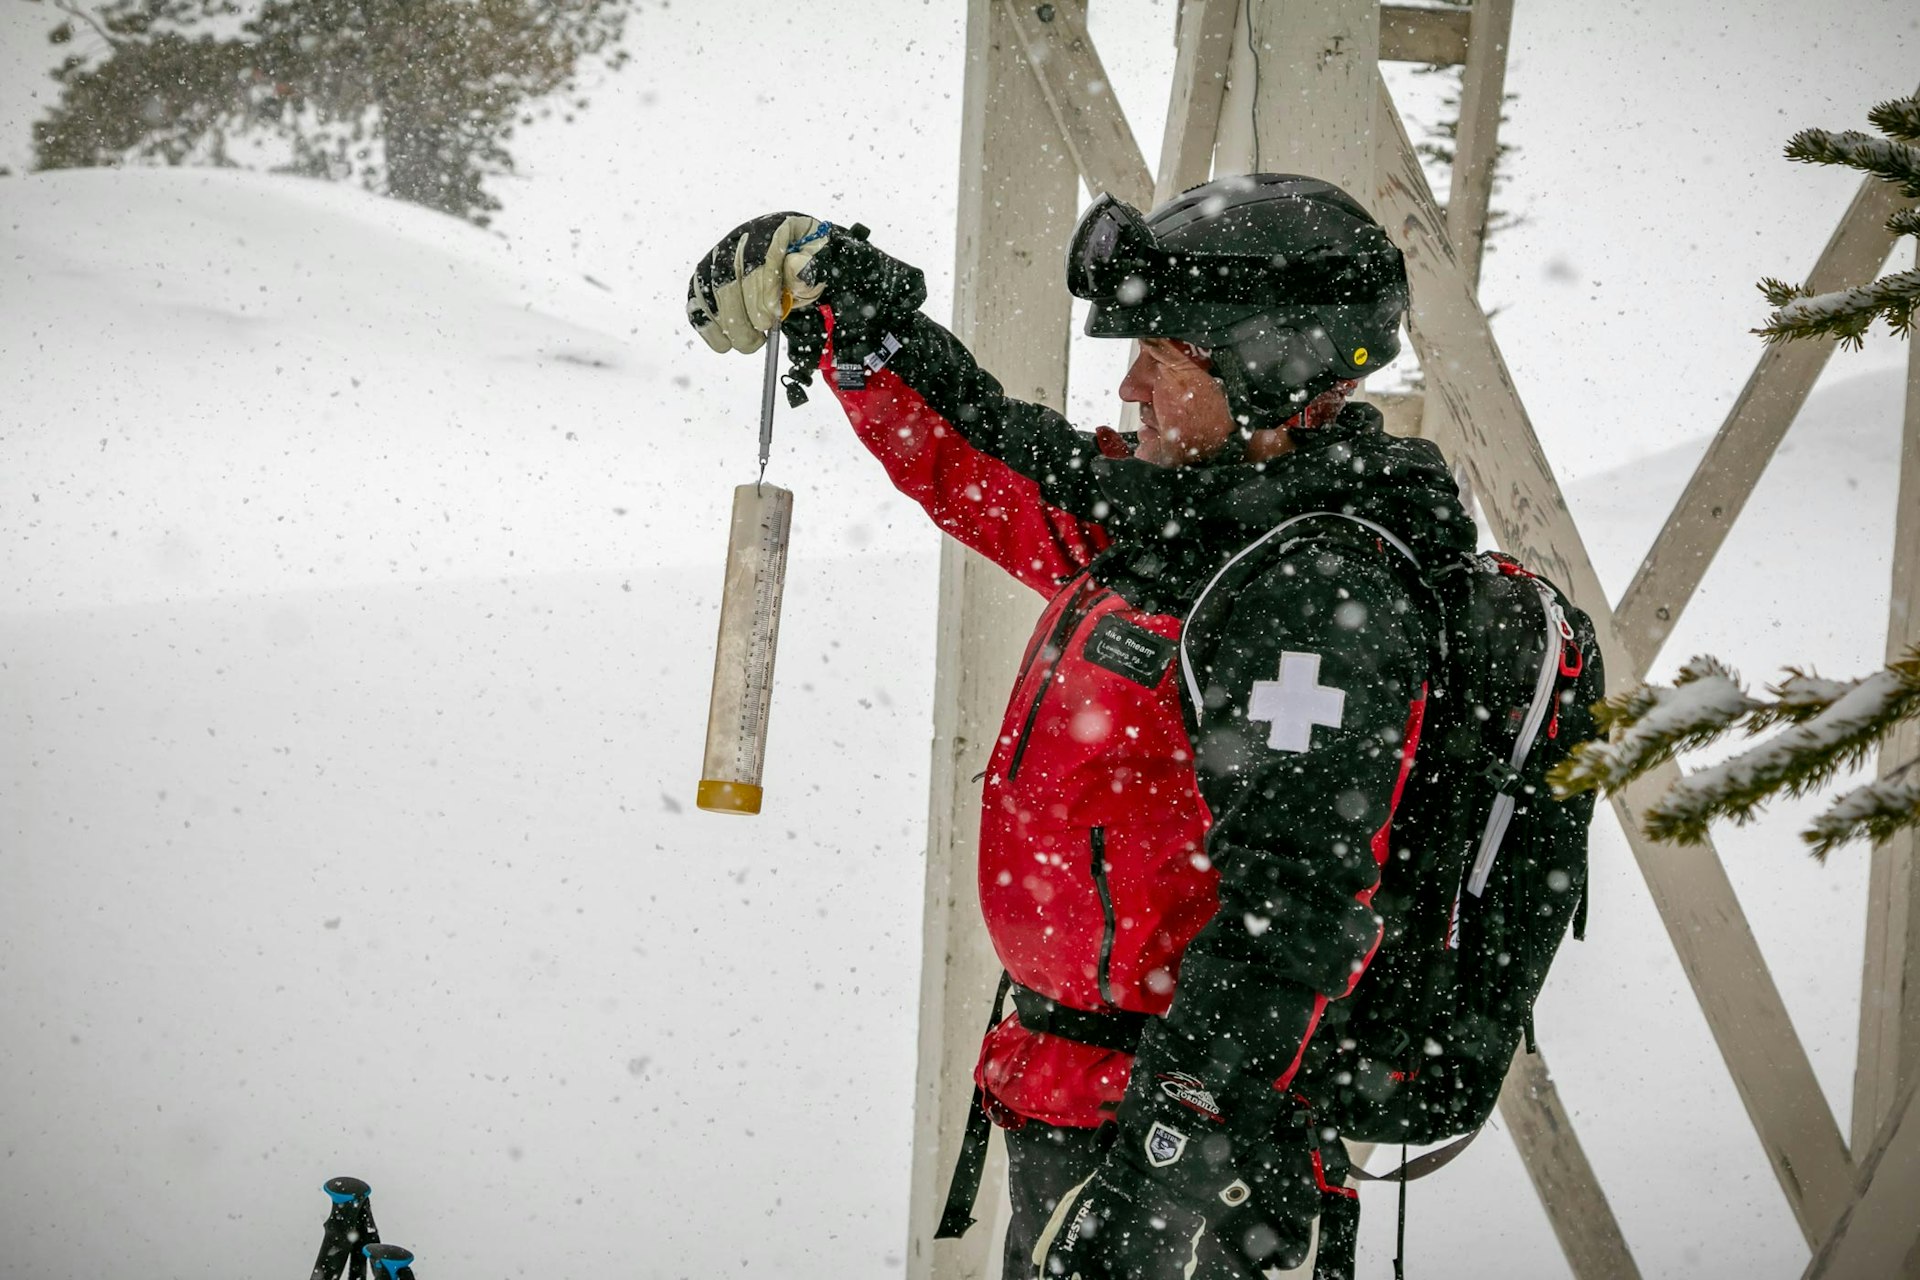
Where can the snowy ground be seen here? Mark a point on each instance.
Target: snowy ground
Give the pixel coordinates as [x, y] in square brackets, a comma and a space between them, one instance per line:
[357, 583]
[357, 631]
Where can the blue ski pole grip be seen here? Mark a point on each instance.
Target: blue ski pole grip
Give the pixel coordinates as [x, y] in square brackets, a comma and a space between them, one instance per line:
[346, 1190]
[390, 1261]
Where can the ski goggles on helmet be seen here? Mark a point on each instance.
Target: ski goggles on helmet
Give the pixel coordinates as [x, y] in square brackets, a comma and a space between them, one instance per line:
[1115, 258]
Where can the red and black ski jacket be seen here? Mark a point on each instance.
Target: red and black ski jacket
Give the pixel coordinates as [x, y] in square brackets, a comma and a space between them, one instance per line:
[1185, 811]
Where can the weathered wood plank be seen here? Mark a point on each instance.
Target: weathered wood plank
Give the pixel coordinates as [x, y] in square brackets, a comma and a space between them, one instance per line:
[1879, 1236]
[1411, 34]
[1889, 1055]
[1522, 500]
[1714, 497]
[1080, 97]
[1577, 1207]
[1483, 87]
[1017, 205]
[1203, 45]
[1310, 107]
[1401, 409]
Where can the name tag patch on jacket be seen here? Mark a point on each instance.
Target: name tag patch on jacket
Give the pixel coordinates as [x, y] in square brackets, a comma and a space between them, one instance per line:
[1130, 650]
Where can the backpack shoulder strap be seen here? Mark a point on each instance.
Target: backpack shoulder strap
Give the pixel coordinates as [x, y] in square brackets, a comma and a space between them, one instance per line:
[1186, 661]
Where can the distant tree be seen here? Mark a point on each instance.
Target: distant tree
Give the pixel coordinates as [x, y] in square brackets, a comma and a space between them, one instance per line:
[1826, 726]
[1848, 313]
[416, 99]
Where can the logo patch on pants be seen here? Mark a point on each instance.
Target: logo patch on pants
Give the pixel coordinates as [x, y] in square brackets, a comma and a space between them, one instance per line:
[1164, 1144]
[1190, 1092]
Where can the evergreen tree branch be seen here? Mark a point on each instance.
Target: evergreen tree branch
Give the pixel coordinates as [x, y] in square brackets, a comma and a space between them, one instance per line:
[1874, 812]
[1888, 160]
[1905, 222]
[1794, 762]
[1845, 314]
[1652, 724]
[1899, 119]
[1799, 697]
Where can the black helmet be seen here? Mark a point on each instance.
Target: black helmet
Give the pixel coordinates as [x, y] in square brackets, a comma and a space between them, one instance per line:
[1285, 279]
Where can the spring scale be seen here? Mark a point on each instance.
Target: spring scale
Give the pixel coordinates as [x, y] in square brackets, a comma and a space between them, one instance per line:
[736, 749]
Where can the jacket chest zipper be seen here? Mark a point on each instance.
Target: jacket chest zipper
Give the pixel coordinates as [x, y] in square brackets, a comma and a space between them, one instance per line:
[1077, 608]
[1104, 973]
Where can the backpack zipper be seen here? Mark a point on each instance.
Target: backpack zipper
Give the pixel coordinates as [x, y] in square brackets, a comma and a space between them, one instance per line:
[1558, 633]
[1077, 608]
[1104, 972]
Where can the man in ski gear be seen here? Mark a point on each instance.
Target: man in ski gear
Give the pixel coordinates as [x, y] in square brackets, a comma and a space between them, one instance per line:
[1186, 812]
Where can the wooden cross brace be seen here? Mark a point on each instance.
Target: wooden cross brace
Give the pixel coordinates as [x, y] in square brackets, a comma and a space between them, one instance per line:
[1473, 408]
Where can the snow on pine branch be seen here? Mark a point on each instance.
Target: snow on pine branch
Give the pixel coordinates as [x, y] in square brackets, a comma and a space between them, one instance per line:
[1844, 314]
[1650, 725]
[1797, 760]
[1873, 812]
[1799, 697]
[1891, 161]
[1847, 314]
[1897, 119]
[1831, 725]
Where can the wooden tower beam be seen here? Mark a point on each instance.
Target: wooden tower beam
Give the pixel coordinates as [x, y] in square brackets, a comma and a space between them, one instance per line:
[1300, 91]
[1781, 381]
[1079, 96]
[1878, 1238]
[1203, 47]
[1018, 201]
[1889, 1058]
[1476, 144]
[1521, 498]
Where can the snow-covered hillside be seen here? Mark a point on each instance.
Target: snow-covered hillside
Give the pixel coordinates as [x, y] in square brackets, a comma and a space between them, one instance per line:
[358, 617]
[356, 602]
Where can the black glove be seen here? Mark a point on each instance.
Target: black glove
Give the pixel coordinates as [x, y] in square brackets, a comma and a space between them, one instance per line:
[1203, 1166]
[779, 264]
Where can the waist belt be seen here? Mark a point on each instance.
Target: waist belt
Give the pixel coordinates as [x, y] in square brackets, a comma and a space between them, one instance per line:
[1117, 1029]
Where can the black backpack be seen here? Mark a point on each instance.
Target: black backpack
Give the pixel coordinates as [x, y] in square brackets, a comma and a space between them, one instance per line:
[1486, 871]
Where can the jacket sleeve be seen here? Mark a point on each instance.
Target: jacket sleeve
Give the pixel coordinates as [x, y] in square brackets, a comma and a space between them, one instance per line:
[1007, 477]
[1308, 684]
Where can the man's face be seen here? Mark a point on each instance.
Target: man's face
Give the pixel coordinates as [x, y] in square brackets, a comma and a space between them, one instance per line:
[1184, 418]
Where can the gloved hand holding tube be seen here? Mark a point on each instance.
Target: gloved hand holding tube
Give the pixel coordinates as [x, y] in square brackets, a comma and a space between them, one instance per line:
[739, 294]
[742, 696]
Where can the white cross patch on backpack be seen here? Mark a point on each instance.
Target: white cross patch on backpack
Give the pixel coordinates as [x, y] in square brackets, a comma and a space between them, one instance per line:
[1296, 702]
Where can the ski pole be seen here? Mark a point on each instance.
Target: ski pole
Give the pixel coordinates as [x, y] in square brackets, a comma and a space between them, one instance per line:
[392, 1262]
[349, 1228]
